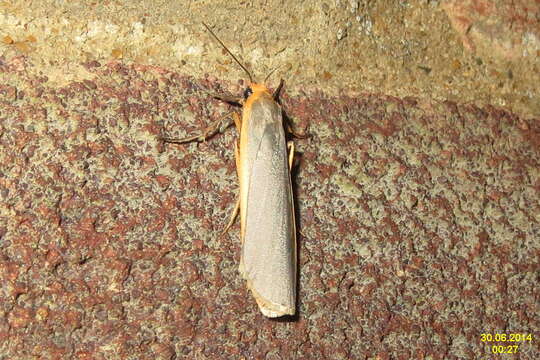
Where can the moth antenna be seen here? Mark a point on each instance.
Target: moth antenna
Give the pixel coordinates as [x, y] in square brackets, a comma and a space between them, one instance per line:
[230, 53]
[270, 73]
[275, 95]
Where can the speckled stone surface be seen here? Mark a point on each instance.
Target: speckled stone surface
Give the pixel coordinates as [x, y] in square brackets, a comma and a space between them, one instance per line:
[418, 225]
[483, 52]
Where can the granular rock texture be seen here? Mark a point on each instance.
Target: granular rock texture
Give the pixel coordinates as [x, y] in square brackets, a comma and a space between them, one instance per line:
[417, 225]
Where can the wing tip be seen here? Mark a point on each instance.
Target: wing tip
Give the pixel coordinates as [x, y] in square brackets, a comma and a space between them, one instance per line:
[276, 310]
[269, 308]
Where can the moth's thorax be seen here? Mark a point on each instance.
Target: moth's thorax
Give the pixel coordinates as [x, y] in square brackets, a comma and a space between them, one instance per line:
[255, 87]
[258, 91]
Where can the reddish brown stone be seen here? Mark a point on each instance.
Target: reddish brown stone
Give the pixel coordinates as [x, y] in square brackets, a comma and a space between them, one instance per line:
[416, 224]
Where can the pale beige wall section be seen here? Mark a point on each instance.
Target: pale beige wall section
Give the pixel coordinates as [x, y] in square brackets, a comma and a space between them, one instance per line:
[400, 48]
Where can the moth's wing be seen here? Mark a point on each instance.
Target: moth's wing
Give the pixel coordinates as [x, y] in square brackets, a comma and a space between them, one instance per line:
[269, 246]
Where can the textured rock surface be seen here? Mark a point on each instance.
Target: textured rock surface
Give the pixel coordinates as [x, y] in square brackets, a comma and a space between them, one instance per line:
[474, 51]
[418, 225]
[500, 29]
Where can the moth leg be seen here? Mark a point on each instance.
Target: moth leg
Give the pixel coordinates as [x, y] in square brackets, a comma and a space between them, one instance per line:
[290, 145]
[291, 131]
[237, 206]
[220, 125]
[237, 159]
[237, 100]
[238, 123]
[287, 120]
[275, 95]
[233, 216]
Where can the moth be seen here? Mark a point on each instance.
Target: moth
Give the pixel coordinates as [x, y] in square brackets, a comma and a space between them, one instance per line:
[267, 225]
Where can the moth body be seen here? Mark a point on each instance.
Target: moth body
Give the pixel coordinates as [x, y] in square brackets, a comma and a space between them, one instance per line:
[267, 224]
[268, 258]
